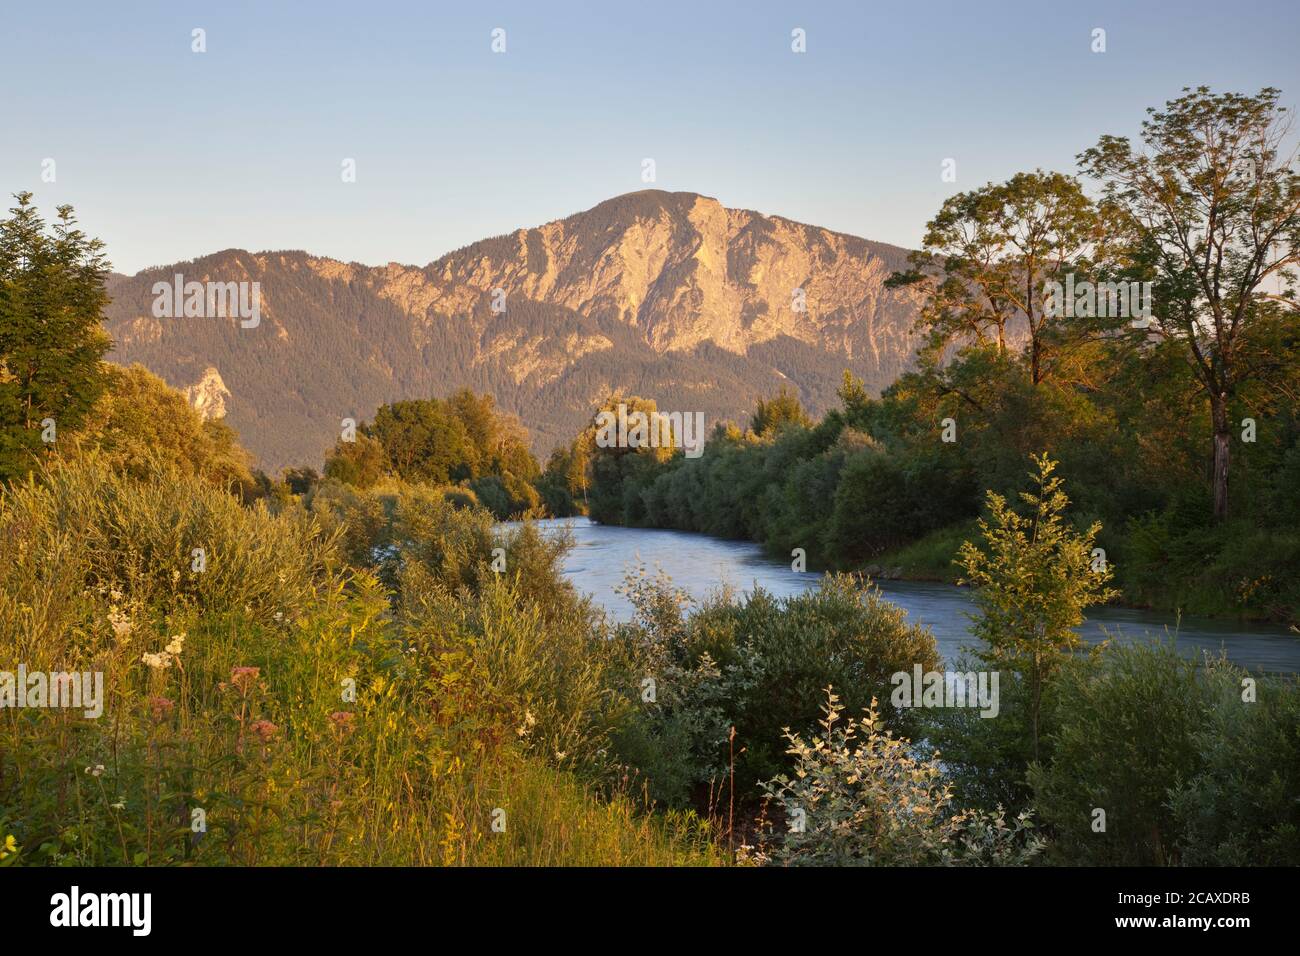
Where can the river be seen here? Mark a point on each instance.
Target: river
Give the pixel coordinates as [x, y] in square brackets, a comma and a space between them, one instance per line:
[699, 564]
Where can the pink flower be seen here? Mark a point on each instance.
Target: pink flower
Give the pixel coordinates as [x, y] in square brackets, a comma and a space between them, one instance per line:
[264, 729]
[342, 721]
[244, 677]
[161, 707]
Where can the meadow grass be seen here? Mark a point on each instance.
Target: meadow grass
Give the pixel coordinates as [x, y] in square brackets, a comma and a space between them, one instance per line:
[275, 707]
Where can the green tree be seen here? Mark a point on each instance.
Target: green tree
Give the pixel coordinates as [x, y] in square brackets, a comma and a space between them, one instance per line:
[140, 421]
[987, 256]
[775, 413]
[1212, 206]
[51, 341]
[425, 441]
[358, 463]
[1033, 579]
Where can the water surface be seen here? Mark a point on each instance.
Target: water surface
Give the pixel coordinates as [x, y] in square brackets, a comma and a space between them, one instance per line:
[602, 554]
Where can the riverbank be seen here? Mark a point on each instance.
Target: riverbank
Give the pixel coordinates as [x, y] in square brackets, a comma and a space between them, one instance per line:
[930, 558]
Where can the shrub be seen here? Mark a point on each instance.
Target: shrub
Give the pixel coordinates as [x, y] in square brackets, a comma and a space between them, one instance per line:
[773, 657]
[284, 699]
[860, 796]
[1242, 808]
[1125, 735]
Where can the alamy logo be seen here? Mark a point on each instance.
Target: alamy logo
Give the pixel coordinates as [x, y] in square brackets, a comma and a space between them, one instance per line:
[946, 689]
[208, 300]
[103, 909]
[653, 430]
[1100, 300]
[78, 691]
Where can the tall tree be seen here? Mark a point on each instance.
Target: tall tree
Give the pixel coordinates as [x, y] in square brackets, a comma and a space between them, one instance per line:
[51, 341]
[1211, 203]
[987, 256]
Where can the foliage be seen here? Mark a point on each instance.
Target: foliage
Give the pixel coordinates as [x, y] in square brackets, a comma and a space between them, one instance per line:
[1032, 584]
[780, 411]
[758, 664]
[1126, 732]
[310, 714]
[462, 440]
[139, 421]
[51, 300]
[860, 796]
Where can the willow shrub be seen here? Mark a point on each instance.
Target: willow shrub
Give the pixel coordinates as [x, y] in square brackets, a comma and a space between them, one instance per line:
[861, 796]
[1186, 768]
[761, 664]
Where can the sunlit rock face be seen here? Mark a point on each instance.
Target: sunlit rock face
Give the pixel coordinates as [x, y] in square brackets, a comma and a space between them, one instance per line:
[208, 395]
[669, 295]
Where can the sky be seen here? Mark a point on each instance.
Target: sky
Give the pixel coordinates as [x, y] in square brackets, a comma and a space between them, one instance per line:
[168, 154]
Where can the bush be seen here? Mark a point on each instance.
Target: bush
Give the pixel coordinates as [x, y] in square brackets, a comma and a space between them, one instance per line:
[85, 538]
[772, 658]
[859, 796]
[1242, 808]
[1125, 736]
[293, 703]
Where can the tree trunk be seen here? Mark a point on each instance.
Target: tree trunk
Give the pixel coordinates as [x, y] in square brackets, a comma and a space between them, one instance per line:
[1222, 453]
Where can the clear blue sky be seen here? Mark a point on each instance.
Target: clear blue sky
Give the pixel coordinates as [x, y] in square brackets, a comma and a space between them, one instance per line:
[169, 154]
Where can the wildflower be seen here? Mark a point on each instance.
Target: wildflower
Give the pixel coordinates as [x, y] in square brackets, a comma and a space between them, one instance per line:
[10, 846]
[159, 662]
[96, 770]
[342, 721]
[115, 594]
[526, 727]
[161, 707]
[243, 677]
[120, 622]
[264, 729]
[176, 644]
[121, 803]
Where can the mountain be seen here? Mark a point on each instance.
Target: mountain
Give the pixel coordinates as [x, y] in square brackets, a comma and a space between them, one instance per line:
[666, 295]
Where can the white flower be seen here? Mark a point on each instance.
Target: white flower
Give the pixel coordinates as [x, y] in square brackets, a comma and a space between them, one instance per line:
[96, 770]
[121, 623]
[158, 662]
[175, 645]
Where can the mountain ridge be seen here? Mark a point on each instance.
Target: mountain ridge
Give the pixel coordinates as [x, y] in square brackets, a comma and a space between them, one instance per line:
[667, 294]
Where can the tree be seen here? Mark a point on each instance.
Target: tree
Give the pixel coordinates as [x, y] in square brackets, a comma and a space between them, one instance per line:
[300, 481]
[359, 463]
[778, 412]
[139, 420]
[51, 340]
[987, 256]
[1033, 579]
[1213, 205]
[424, 441]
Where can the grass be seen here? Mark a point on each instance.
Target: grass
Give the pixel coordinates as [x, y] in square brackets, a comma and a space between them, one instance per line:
[930, 558]
[278, 707]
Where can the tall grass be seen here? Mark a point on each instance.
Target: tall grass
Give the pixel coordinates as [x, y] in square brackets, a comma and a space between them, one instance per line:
[280, 706]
